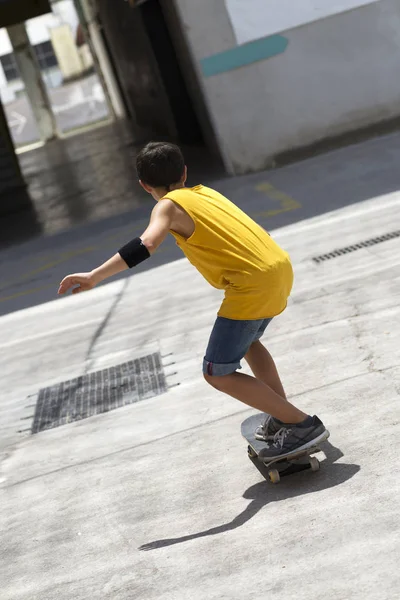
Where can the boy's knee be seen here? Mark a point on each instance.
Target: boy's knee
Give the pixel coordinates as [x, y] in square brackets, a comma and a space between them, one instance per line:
[209, 378]
[216, 382]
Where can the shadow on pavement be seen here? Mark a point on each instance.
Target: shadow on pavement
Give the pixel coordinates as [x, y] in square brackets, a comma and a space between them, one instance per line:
[87, 178]
[263, 493]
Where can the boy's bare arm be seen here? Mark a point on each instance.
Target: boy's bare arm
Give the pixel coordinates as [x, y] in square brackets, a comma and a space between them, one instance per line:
[152, 238]
[159, 226]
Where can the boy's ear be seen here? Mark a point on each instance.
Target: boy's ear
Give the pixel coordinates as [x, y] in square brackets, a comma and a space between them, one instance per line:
[146, 187]
[184, 176]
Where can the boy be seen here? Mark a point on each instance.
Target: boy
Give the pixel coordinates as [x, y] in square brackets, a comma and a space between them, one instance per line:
[233, 253]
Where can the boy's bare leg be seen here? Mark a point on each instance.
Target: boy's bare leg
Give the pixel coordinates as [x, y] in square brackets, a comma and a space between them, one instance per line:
[263, 367]
[257, 394]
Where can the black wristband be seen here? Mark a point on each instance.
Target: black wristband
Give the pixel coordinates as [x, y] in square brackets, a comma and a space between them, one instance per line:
[134, 252]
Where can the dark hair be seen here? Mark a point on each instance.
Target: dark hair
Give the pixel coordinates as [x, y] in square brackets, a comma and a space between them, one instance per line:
[160, 164]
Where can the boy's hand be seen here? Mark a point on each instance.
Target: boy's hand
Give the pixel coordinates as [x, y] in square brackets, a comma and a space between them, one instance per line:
[82, 281]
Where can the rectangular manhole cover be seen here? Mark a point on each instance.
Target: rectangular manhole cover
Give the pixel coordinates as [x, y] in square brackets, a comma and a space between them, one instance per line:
[99, 392]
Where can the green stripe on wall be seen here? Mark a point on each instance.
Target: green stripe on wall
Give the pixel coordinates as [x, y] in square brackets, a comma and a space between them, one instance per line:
[240, 56]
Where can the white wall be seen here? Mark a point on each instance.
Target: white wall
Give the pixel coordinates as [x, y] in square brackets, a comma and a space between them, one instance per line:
[254, 19]
[3, 80]
[337, 74]
[5, 44]
[66, 12]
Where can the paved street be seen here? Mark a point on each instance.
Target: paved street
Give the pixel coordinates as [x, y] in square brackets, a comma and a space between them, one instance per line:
[75, 105]
[88, 203]
[157, 498]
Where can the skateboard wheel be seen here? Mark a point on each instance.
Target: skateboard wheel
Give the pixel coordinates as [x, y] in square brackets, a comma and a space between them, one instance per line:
[274, 476]
[251, 452]
[314, 463]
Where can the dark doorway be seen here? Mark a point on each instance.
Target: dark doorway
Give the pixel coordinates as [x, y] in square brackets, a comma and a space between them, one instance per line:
[186, 121]
[162, 99]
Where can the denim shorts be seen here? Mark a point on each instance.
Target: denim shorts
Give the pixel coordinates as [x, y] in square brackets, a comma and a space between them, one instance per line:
[229, 342]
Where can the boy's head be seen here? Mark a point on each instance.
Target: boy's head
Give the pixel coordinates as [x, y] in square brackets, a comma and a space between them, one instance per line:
[160, 167]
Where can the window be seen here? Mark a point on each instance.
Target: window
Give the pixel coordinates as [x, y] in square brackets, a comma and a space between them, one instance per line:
[45, 55]
[9, 67]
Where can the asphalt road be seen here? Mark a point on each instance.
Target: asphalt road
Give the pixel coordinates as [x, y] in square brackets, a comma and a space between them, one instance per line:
[90, 203]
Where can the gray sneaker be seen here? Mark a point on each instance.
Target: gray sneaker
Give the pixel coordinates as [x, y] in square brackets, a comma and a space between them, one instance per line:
[268, 428]
[289, 439]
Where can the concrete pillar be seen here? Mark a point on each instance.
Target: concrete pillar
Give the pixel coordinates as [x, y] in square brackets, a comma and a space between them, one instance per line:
[87, 11]
[68, 57]
[34, 84]
[13, 194]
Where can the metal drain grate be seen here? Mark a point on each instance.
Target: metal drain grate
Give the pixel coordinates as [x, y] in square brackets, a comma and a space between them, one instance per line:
[355, 247]
[99, 392]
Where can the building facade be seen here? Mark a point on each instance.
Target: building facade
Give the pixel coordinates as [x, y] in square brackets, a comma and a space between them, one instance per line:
[249, 80]
[54, 39]
[257, 78]
[282, 74]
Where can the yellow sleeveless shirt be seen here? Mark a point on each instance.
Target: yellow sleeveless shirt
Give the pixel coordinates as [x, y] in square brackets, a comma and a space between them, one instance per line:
[235, 254]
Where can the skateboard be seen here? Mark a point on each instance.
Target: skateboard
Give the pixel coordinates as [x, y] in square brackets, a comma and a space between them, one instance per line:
[278, 467]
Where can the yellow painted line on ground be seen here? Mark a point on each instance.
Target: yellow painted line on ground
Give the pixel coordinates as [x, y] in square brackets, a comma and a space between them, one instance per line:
[28, 292]
[132, 229]
[66, 255]
[287, 203]
[55, 285]
[46, 267]
[128, 235]
[63, 255]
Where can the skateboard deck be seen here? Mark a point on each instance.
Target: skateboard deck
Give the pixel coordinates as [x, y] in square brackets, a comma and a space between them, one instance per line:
[276, 468]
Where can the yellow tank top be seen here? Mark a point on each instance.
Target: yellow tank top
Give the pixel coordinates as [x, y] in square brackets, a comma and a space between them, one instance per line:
[235, 254]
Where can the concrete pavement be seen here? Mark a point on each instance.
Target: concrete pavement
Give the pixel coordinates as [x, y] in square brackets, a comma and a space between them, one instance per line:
[158, 499]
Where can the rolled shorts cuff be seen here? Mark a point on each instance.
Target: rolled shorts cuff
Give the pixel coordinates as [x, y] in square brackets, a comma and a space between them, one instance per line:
[219, 369]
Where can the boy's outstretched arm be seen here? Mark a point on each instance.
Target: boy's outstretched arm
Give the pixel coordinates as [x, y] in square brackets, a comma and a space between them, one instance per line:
[129, 255]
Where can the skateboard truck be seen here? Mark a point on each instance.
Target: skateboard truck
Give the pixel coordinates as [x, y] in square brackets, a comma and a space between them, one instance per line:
[276, 468]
